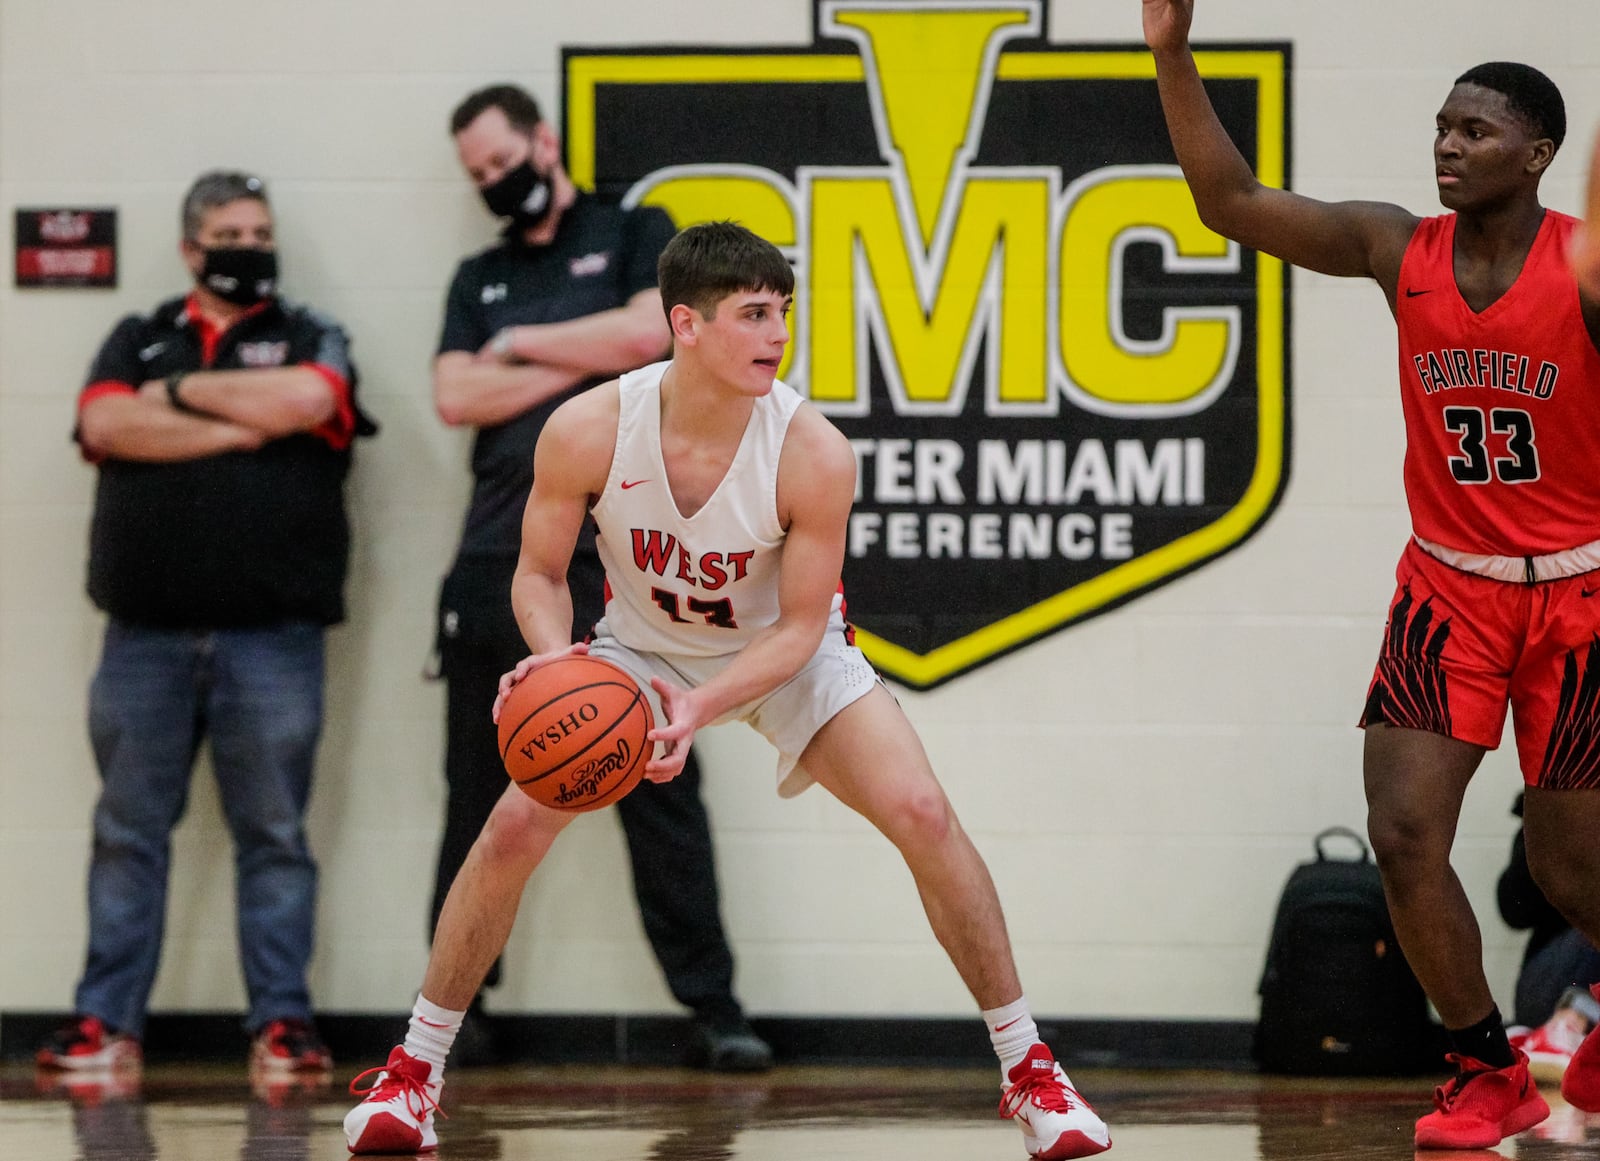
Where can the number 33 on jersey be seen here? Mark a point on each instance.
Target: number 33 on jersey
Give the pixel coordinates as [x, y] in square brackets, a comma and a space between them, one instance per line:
[1502, 405]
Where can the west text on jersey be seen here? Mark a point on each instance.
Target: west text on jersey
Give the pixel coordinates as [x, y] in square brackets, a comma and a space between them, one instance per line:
[663, 553]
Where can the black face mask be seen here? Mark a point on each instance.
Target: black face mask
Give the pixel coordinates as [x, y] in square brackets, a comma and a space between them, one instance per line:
[240, 275]
[522, 194]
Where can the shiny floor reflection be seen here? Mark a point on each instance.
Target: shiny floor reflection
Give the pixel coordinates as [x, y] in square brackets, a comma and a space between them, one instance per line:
[793, 1114]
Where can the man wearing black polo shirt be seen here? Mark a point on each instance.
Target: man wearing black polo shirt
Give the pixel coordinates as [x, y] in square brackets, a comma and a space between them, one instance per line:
[221, 424]
[566, 300]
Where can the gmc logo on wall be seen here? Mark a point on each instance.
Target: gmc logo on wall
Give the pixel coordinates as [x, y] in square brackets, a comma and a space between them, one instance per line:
[1062, 389]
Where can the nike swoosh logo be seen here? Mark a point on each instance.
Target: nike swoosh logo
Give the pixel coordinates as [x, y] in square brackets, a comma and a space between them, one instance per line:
[1588, 592]
[430, 1023]
[1414, 293]
[1008, 1024]
[150, 352]
[626, 484]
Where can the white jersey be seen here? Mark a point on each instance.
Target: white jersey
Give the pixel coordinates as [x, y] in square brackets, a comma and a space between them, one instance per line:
[702, 585]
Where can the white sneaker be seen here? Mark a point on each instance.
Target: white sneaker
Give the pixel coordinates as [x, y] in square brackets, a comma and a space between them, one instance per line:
[1056, 1122]
[397, 1114]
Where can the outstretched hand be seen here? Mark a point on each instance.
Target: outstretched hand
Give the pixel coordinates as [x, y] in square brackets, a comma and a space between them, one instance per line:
[526, 666]
[1586, 243]
[1586, 258]
[684, 716]
[1166, 23]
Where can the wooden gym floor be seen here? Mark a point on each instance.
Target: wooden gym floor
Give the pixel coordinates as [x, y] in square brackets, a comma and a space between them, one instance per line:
[612, 1113]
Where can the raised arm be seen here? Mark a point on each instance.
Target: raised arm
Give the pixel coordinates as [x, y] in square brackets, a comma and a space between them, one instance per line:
[816, 484]
[1586, 248]
[1354, 239]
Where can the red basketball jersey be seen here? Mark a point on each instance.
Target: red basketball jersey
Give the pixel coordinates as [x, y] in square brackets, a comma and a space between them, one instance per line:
[1502, 407]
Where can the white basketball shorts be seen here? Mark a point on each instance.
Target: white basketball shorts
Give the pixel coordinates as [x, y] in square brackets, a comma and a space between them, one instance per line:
[788, 717]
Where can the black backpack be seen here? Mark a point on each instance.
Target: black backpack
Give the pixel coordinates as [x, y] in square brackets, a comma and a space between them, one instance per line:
[1337, 996]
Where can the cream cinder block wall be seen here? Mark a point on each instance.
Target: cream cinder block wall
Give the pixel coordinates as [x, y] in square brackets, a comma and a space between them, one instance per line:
[1141, 783]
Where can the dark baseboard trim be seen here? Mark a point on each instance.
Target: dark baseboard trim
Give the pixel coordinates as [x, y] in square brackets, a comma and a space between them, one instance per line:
[665, 1040]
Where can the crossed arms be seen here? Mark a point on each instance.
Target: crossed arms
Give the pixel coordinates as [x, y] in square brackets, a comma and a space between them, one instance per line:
[537, 363]
[232, 410]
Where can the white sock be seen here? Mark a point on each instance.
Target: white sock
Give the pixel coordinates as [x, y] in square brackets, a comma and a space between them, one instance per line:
[431, 1033]
[1012, 1032]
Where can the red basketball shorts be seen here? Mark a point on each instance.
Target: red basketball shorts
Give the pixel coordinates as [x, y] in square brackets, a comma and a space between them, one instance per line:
[1459, 648]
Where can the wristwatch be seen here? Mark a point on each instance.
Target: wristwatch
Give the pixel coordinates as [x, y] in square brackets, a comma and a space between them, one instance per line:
[173, 397]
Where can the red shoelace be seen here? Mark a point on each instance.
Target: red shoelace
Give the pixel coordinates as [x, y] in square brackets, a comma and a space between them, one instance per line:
[1042, 1089]
[419, 1101]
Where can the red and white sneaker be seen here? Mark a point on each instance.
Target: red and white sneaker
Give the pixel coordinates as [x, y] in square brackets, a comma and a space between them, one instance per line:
[1580, 1084]
[397, 1114]
[1056, 1122]
[85, 1043]
[1480, 1106]
[289, 1046]
[1550, 1046]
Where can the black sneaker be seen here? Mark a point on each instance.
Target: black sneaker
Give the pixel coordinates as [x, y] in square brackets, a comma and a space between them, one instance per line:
[289, 1046]
[730, 1047]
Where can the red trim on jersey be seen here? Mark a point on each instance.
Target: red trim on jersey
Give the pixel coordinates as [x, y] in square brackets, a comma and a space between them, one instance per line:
[211, 334]
[99, 389]
[103, 387]
[340, 427]
[844, 611]
[605, 588]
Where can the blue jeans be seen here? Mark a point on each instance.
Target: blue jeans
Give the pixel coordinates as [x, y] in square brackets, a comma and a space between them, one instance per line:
[257, 695]
[1566, 961]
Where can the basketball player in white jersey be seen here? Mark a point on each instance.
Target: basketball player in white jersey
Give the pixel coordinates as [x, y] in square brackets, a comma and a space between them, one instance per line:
[722, 500]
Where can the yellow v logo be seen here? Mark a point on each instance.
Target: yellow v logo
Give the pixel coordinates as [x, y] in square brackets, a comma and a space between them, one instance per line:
[929, 71]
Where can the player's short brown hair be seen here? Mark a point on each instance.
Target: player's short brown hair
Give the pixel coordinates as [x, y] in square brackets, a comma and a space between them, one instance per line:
[707, 262]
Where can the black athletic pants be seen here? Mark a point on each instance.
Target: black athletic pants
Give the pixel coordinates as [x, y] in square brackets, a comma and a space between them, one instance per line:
[667, 830]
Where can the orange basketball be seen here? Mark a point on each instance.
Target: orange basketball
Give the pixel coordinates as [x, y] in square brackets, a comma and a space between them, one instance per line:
[572, 734]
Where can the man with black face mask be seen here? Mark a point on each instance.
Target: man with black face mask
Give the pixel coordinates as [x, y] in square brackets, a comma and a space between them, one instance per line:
[221, 424]
[566, 300]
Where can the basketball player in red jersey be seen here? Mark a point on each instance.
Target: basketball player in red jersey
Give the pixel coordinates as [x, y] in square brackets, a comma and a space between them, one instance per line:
[1500, 383]
[722, 500]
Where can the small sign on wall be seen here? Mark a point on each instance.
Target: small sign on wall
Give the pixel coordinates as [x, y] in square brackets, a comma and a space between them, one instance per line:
[66, 247]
